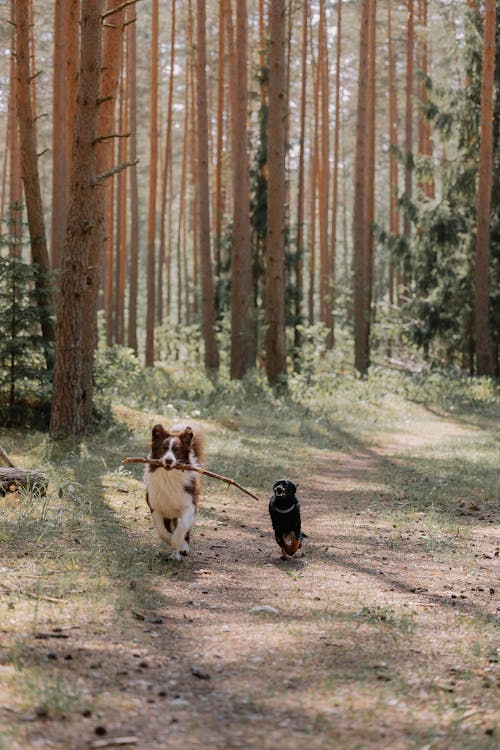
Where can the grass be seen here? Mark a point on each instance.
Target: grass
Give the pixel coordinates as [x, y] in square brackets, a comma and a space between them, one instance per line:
[353, 649]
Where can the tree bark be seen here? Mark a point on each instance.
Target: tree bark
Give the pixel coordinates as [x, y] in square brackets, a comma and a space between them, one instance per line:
[153, 179]
[335, 187]
[484, 357]
[301, 177]
[72, 394]
[275, 276]
[29, 165]
[243, 348]
[359, 207]
[134, 192]
[207, 294]
[325, 287]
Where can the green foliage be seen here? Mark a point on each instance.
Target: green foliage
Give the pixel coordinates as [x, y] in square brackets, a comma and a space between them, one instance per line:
[24, 380]
[438, 261]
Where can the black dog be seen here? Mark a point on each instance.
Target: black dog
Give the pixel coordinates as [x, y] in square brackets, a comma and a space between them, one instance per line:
[284, 509]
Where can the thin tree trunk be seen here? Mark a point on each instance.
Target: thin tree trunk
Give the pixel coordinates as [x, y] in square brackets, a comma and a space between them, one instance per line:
[484, 358]
[313, 181]
[301, 178]
[275, 277]
[370, 176]
[165, 259]
[121, 215]
[243, 347]
[424, 126]
[29, 164]
[324, 175]
[15, 170]
[71, 400]
[219, 138]
[153, 179]
[359, 206]
[207, 295]
[410, 52]
[59, 151]
[134, 196]
[111, 41]
[335, 188]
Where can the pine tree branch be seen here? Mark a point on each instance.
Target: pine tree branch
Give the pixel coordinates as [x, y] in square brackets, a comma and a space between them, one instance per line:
[105, 138]
[115, 170]
[187, 467]
[118, 8]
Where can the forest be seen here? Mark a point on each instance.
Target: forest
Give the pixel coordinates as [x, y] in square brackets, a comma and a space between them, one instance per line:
[268, 175]
[272, 227]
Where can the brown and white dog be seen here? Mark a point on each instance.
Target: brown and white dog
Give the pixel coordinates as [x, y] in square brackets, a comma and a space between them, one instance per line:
[172, 494]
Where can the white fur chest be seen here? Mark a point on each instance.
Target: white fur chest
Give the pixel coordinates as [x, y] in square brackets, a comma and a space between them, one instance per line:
[166, 491]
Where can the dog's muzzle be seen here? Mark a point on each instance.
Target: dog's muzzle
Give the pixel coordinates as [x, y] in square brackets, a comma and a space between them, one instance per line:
[280, 491]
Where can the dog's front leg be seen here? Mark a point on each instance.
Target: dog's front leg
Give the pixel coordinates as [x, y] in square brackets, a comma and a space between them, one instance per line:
[178, 540]
[160, 527]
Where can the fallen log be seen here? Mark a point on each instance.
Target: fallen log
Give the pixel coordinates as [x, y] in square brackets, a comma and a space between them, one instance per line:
[12, 479]
[186, 467]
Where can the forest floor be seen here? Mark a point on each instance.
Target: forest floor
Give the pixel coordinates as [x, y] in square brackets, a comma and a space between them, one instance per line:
[381, 633]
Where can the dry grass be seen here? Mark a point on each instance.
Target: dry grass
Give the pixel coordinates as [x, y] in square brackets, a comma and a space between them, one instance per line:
[383, 634]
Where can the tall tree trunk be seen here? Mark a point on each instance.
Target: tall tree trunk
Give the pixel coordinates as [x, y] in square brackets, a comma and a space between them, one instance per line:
[59, 152]
[313, 182]
[324, 175]
[207, 294]
[66, 51]
[102, 258]
[121, 215]
[153, 180]
[15, 170]
[410, 53]
[301, 177]
[484, 356]
[335, 187]
[359, 206]
[243, 347]
[370, 175]
[165, 215]
[275, 276]
[424, 126]
[29, 164]
[219, 138]
[134, 194]
[70, 414]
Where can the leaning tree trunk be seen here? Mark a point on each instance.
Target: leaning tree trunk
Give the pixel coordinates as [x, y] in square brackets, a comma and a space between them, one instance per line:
[29, 165]
[70, 414]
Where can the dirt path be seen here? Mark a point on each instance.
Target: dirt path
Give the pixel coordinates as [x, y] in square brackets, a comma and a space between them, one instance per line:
[381, 635]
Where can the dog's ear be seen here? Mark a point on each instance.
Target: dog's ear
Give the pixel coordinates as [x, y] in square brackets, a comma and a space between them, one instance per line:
[187, 436]
[158, 431]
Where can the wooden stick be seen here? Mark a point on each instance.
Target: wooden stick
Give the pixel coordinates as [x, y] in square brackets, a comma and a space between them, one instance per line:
[186, 467]
[5, 457]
